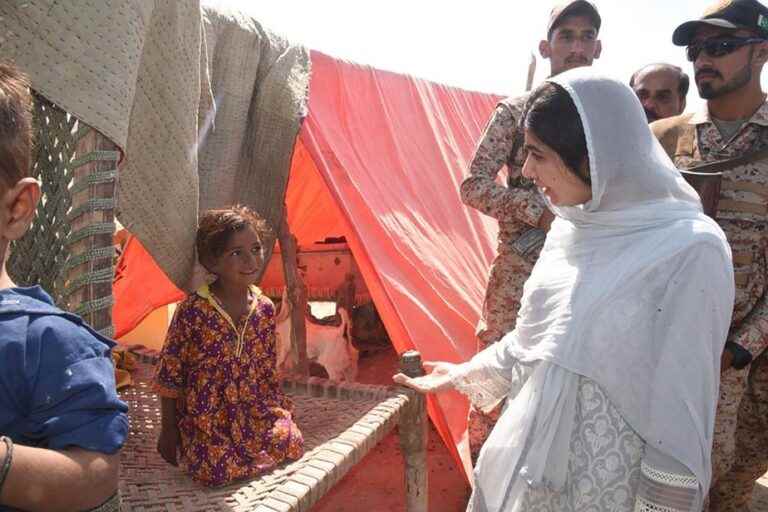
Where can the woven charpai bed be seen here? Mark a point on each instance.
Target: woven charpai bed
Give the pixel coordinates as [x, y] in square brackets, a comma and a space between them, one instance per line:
[341, 423]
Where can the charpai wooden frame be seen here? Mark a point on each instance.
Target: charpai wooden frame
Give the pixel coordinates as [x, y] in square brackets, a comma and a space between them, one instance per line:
[70, 251]
[341, 424]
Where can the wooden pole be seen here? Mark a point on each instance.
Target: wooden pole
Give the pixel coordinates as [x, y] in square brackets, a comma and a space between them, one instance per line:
[101, 319]
[531, 72]
[345, 297]
[297, 296]
[413, 438]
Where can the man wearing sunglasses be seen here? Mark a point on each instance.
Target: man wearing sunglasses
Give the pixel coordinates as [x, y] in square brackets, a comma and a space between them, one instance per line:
[728, 49]
[519, 208]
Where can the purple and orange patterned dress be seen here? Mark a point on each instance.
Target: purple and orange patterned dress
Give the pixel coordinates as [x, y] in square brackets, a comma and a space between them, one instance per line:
[234, 420]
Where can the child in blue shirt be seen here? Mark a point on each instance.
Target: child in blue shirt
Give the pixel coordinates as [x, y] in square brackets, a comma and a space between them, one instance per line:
[61, 421]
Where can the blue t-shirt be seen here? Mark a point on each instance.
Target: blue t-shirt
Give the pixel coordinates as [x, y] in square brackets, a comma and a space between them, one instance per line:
[57, 384]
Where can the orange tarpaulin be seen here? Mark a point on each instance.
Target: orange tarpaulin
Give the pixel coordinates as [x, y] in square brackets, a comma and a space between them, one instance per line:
[139, 287]
[379, 160]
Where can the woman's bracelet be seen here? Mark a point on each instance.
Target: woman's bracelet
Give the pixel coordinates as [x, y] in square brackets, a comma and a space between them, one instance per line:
[7, 460]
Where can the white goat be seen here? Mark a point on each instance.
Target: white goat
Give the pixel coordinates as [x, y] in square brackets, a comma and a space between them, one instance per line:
[326, 344]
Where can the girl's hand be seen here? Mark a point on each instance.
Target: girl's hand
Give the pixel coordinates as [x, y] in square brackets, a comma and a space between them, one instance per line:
[168, 445]
[438, 379]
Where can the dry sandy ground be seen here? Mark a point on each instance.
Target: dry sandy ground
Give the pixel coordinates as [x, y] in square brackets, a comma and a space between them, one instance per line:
[376, 483]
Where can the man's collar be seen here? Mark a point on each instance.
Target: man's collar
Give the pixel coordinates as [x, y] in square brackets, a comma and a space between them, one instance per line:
[760, 117]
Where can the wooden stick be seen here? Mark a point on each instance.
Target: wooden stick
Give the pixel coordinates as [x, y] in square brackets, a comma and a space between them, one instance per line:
[93, 141]
[531, 72]
[297, 296]
[413, 438]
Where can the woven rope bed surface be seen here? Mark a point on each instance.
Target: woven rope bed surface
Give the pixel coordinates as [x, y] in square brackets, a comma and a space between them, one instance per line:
[340, 424]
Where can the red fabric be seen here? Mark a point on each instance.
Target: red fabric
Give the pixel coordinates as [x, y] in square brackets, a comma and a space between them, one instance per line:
[139, 288]
[393, 151]
[379, 160]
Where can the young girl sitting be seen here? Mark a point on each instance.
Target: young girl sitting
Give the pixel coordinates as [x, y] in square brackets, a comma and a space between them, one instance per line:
[222, 406]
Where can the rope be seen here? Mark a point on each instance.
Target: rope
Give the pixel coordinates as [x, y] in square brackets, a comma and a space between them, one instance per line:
[91, 306]
[92, 230]
[94, 254]
[92, 205]
[96, 277]
[96, 178]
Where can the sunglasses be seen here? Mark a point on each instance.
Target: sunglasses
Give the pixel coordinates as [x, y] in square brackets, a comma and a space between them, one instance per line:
[719, 46]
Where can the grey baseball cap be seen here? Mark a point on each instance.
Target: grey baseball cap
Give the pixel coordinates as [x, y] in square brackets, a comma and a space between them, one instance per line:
[573, 8]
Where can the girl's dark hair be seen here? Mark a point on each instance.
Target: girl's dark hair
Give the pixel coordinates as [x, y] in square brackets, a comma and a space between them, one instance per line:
[216, 227]
[552, 116]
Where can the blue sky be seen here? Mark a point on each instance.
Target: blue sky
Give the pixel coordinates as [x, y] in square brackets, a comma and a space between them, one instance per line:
[481, 45]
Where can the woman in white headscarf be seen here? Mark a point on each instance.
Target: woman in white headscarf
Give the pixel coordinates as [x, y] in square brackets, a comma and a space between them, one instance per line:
[612, 371]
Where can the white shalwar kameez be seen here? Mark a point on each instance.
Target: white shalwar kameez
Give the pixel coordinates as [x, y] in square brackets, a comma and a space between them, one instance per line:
[612, 371]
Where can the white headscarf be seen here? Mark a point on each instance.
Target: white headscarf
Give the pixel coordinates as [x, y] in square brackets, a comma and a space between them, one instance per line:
[634, 290]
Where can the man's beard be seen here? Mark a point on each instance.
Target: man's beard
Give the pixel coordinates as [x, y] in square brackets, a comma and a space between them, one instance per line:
[651, 115]
[708, 91]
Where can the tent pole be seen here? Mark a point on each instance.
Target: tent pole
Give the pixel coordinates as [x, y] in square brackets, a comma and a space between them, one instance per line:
[346, 296]
[413, 438]
[95, 293]
[297, 295]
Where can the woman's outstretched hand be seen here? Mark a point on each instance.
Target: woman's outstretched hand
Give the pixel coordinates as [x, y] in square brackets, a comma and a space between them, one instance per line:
[438, 378]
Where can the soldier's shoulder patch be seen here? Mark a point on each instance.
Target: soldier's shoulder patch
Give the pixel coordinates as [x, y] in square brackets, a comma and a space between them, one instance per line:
[762, 22]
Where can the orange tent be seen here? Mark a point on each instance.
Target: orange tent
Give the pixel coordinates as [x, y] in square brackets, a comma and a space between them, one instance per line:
[379, 160]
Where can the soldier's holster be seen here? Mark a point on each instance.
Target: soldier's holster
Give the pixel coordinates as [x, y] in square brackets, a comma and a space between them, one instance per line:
[706, 178]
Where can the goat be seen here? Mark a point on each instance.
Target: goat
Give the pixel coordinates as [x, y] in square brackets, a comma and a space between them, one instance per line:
[328, 345]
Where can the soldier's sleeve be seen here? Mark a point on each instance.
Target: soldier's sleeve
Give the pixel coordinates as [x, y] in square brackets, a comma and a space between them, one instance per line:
[482, 191]
[752, 334]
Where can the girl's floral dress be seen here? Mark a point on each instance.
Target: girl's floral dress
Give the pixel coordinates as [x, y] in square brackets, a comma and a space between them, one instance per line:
[234, 420]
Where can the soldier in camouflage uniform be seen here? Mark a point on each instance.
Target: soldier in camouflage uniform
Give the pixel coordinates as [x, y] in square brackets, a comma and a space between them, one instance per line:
[518, 207]
[728, 49]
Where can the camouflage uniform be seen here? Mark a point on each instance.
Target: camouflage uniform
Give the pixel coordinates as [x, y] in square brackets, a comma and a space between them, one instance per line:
[734, 490]
[740, 451]
[518, 208]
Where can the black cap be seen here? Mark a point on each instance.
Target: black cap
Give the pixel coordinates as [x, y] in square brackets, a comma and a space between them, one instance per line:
[573, 8]
[730, 14]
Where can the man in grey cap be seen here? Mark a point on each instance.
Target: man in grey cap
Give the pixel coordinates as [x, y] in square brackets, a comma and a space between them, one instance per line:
[518, 207]
[728, 48]
[572, 36]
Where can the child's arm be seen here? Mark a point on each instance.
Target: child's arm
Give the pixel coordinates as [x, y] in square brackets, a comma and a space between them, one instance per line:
[67, 391]
[169, 440]
[52, 480]
[169, 382]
